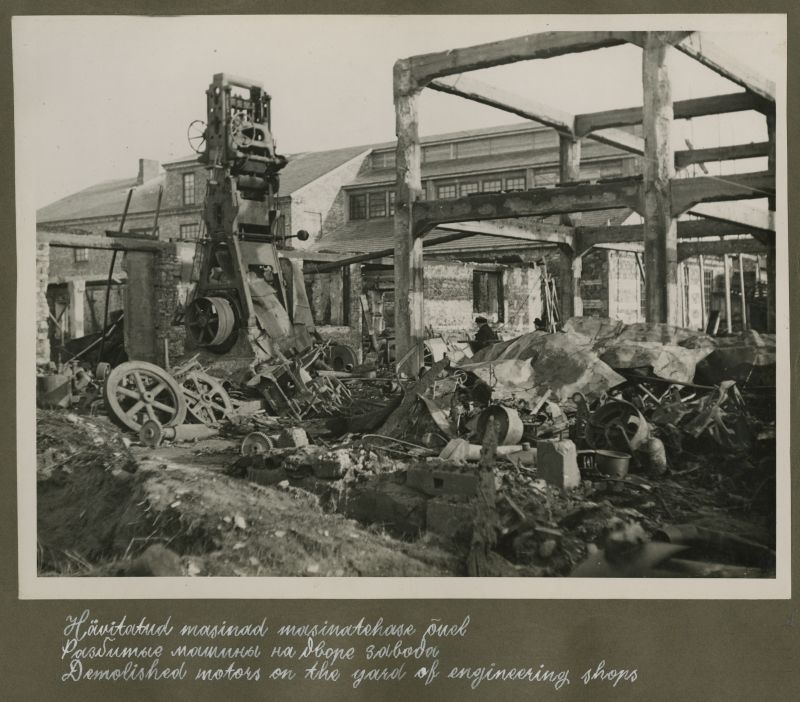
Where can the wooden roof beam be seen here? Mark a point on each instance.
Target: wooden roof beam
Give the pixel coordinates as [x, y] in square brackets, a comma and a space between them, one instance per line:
[682, 109]
[426, 67]
[689, 192]
[535, 233]
[754, 219]
[623, 193]
[749, 245]
[721, 153]
[704, 50]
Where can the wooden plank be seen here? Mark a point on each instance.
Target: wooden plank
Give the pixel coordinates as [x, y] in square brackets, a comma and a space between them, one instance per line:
[688, 192]
[425, 67]
[409, 320]
[721, 153]
[738, 213]
[728, 315]
[660, 225]
[620, 139]
[93, 241]
[748, 245]
[624, 193]
[700, 47]
[569, 163]
[533, 232]
[682, 109]
[478, 91]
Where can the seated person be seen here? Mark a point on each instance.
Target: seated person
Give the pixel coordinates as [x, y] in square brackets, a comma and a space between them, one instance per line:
[485, 335]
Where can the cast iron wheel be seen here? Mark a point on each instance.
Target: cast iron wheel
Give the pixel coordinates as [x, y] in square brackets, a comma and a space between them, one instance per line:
[206, 400]
[137, 391]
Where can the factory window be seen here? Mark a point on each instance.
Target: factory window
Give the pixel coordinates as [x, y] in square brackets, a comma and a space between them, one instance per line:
[392, 195]
[358, 206]
[81, 255]
[383, 159]
[515, 183]
[377, 204]
[437, 152]
[487, 293]
[470, 149]
[492, 186]
[190, 231]
[443, 192]
[468, 188]
[545, 177]
[188, 189]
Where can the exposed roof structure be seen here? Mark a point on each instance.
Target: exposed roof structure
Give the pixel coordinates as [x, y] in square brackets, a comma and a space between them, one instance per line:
[366, 236]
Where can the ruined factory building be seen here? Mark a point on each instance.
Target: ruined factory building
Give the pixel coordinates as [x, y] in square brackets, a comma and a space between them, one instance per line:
[516, 351]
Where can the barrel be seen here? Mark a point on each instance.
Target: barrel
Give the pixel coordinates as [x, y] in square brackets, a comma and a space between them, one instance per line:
[506, 420]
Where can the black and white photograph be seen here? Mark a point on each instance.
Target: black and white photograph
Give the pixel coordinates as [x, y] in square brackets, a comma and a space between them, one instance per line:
[378, 305]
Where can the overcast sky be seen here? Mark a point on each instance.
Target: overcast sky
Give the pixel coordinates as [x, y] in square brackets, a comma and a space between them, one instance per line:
[95, 94]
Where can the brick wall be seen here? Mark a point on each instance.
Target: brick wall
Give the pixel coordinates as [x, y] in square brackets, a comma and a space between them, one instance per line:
[624, 287]
[594, 283]
[42, 309]
[447, 290]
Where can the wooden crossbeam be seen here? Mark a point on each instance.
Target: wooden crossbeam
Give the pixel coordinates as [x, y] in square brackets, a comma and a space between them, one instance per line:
[620, 139]
[739, 213]
[535, 232]
[623, 193]
[682, 109]
[688, 192]
[485, 94]
[700, 47]
[686, 249]
[93, 241]
[587, 237]
[721, 153]
[426, 67]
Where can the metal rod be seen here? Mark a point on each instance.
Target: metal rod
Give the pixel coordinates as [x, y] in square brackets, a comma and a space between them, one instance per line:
[728, 320]
[702, 292]
[741, 292]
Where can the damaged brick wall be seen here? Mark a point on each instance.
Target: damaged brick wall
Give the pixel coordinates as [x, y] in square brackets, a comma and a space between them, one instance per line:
[624, 287]
[447, 290]
[42, 309]
[594, 283]
[523, 298]
[336, 305]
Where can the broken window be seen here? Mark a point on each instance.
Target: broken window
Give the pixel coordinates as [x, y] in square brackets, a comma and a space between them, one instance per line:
[358, 206]
[487, 293]
[188, 189]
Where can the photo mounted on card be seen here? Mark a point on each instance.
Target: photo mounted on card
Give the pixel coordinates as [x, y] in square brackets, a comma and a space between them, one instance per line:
[496, 309]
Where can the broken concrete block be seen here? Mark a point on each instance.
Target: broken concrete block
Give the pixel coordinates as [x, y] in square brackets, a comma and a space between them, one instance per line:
[332, 464]
[557, 463]
[449, 518]
[294, 437]
[398, 508]
[436, 482]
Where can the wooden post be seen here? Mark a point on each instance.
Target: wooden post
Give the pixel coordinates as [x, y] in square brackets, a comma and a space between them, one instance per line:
[771, 297]
[408, 299]
[741, 293]
[660, 228]
[728, 320]
[77, 296]
[702, 292]
[569, 152]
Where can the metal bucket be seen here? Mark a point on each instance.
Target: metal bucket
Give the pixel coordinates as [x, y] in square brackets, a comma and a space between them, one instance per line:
[613, 464]
[508, 423]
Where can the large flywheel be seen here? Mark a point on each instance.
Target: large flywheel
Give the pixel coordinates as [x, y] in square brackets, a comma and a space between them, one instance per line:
[137, 391]
[207, 401]
[210, 321]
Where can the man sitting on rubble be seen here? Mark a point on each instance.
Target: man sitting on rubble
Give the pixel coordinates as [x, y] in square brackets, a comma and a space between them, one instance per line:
[485, 335]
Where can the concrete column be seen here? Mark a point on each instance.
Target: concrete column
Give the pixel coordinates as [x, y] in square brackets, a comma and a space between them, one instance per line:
[356, 314]
[728, 311]
[660, 228]
[742, 293]
[408, 305]
[577, 300]
[77, 302]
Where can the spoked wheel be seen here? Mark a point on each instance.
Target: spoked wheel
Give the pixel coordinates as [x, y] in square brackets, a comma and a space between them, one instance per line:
[210, 321]
[136, 392]
[206, 400]
[196, 134]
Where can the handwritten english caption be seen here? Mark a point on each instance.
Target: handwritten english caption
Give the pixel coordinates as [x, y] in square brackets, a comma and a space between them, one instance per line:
[356, 654]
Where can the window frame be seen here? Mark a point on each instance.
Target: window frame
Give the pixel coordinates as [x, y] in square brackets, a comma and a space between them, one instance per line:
[188, 193]
[357, 213]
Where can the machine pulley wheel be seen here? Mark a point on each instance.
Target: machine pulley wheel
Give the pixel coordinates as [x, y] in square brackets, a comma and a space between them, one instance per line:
[207, 401]
[210, 320]
[151, 434]
[196, 134]
[136, 392]
[256, 442]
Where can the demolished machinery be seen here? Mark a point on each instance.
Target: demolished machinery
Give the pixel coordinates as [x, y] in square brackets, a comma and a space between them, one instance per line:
[248, 320]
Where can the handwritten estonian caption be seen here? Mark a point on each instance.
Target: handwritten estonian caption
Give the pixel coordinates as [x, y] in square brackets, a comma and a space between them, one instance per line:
[357, 654]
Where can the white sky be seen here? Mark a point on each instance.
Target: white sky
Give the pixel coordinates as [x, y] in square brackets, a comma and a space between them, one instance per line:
[94, 94]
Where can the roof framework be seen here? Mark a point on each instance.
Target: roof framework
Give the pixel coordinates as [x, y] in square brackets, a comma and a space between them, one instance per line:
[658, 196]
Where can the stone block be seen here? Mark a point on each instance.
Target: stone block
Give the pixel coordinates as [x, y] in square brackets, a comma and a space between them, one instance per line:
[436, 482]
[557, 463]
[294, 437]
